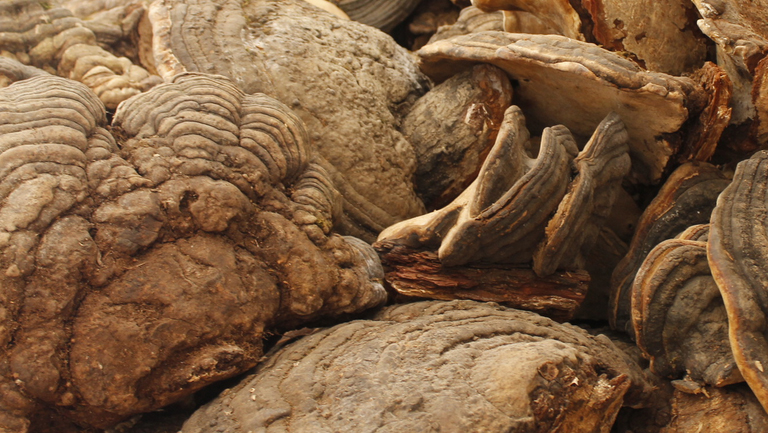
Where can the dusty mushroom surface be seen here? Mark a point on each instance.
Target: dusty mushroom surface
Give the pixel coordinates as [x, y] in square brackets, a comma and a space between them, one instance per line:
[576, 84]
[351, 84]
[452, 129]
[678, 315]
[137, 270]
[428, 366]
[686, 198]
[736, 251]
[48, 36]
[155, 246]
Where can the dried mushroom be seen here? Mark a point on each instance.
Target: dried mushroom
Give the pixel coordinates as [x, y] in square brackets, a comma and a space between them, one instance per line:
[737, 257]
[582, 213]
[48, 36]
[506, 217]
[678, 315]
[350, 84]
[740, 33]
[576, 84]
[731, 409]
[431, 366]
[660, 34]
[382, 14]
[704, 132]
[452, 129]
[686, 198]
[501, 216]
[471, 20]
[556, 14]
[137, 271]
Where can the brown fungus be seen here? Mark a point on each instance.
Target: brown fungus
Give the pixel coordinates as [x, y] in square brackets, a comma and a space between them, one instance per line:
[382, 14]
[500, 217]
[431, 366]
[48, 36]
[558, 15]
[452, 129]
[471, 20]
[582, 213]
[740, 32]
[678, 315]
[737, 256]
[660, 34]
[350, 84]
[133, 276]
[576, 84]
[685, 199]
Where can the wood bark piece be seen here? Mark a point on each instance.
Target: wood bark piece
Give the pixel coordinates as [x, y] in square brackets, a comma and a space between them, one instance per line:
[349, 83]
[686, 198]
[576, 84]
[704, 132]
[419, 274]
[501, 216]
[582, 213]
[429, 366]
[452, 128]
[678, 316]
[737, 255]
[135, 271]
[731, 409]
[740, 33]
[660, 34]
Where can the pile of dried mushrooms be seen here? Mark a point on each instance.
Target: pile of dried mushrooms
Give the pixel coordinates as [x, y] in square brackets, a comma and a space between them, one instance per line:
[383, 215]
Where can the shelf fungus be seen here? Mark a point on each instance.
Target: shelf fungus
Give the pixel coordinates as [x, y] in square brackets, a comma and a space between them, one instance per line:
[582, 213]
[576, 84]
[382, 14]
[686, 199]
[678, 315]
[501, 221]
[740, 32]
[452, 129]
[558, 15]
[737, 257]
[471, 20]
[432, 366]
[350, 84]
[660, 35]
[141, 266]
[48, 36]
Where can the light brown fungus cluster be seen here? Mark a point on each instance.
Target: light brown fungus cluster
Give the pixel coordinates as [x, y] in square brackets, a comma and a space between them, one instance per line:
[183, 180]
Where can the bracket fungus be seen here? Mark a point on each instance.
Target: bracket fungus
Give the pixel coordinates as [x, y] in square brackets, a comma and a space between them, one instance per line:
[583, 211]
[737, 256]
[138, 270]
[658, 34]
[349, 83]
[501, 216]
[48, 36]
[452, 128]
[678, 315]
[471, 20]
[740, 33]
[576, 84]
[382, 14]
[686, 198]
[431, 366]
[504, 221]
[558, 15]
